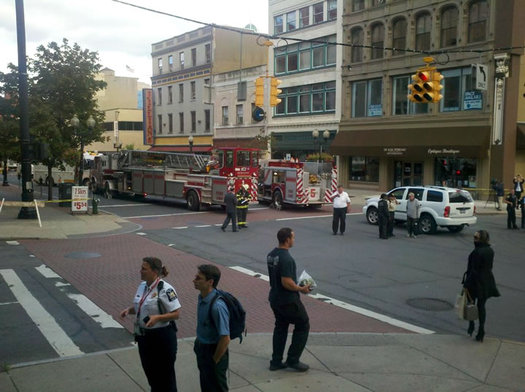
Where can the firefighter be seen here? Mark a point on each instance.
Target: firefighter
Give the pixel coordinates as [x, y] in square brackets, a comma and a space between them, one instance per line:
[243, 199]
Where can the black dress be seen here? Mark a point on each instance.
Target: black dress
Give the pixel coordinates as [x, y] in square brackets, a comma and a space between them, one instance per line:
[479, 280]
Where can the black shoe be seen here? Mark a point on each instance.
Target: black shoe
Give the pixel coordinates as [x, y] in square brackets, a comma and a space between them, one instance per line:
[342, 233]
[235, 231]
[222, 228]
[480, 336]
[299, 366]
[471, 327]
[277, 366]
[335, 233]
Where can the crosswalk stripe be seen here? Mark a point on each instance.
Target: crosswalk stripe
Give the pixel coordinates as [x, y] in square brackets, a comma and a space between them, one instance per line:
[54, 334]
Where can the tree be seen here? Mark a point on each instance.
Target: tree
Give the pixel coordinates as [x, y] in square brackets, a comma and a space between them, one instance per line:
[64, 80]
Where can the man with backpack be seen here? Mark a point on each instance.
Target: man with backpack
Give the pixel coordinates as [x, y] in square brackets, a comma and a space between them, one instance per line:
[213, 330]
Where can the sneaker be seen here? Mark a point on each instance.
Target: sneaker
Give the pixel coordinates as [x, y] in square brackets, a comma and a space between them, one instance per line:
[299, 366]
[277, 366]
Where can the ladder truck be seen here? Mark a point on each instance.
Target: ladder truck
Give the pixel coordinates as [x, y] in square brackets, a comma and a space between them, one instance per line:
[199, 180]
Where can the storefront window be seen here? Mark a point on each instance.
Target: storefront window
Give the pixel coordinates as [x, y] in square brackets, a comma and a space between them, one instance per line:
[455, 172]
[457, 83]
[364, 169]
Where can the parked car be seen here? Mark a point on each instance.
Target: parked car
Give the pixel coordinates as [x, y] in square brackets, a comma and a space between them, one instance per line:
[440, 207]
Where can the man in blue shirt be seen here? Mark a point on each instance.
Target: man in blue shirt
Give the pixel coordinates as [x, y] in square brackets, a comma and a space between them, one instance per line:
[213, 334]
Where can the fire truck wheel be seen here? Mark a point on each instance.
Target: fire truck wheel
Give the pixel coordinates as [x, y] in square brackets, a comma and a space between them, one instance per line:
[193, 201]
[371, 215]
[277, 200]
[85, 182]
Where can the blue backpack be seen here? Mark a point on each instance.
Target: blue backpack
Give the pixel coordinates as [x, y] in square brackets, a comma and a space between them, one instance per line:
[237, 314]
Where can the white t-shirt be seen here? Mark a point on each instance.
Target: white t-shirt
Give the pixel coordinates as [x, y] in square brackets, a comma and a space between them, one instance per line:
[168, 298]
[341, 200]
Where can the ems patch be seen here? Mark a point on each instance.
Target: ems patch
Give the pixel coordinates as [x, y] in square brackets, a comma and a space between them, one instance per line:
[172, 295]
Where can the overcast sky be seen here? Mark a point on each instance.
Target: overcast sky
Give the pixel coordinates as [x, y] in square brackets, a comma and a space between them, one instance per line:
[122, 35]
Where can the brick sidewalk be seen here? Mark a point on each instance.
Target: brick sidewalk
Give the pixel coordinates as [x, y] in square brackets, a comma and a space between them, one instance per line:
[111, 281]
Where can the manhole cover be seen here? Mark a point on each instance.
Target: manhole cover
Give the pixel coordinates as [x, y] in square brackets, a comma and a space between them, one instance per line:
[83, 255]
[430, 304]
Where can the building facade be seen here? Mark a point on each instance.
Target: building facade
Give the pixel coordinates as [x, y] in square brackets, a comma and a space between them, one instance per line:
[184, 95]
[307, 60]
[473, 135]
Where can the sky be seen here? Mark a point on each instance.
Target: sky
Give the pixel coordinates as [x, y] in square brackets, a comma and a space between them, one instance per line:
[122, 35]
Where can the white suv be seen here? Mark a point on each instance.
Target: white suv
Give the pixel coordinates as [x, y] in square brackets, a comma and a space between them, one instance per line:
[440, 206]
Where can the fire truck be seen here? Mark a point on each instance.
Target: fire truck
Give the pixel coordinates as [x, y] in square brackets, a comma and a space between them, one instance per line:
[200, 180]
[286, 182]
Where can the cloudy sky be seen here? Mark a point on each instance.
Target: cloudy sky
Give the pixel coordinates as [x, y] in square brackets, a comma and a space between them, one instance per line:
[122, 35]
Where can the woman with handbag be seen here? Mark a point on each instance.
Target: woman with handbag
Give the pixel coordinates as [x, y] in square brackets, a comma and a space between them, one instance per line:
[479, 280]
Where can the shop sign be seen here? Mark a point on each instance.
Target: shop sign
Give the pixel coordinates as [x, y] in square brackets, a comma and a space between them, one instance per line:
[473, 100]
[375, 110]
[79, 199]
[394, 150]
[442, 151]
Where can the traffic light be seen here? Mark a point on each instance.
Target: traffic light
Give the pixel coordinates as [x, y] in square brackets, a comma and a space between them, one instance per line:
[423, 87]
[275, 91]
[436, 82]
[259, 91]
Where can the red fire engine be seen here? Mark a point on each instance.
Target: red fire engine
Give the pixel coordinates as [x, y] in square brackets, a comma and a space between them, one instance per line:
[197, 179]
[297, 183]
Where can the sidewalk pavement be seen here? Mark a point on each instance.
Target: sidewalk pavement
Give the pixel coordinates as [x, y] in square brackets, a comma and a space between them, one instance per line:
[339, 361]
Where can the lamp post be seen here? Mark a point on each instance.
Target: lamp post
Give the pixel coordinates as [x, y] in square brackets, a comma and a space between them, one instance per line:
[326, 136]
[190, 142]
[75, 122]
[315, 135]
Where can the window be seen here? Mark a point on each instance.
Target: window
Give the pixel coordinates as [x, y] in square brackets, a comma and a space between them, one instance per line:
[193, 57]
[170, 61]
[170, 94]
[239, 111]
[456, 83]
[225, 119]
[278, 24]
[305, 56]
[423, 27]
[378, 40]
[400, 102]
[159, 96]
[318, 13]
[436, 196]
[358, 5]
[478, 15]
[170, 123]
[193, 121]
[207, 120]
[181, 60]
[365, 169]
[457, 173]
[449, 27]
[304, 17]
[291, 23]
[376, 3]
[159, 62]
[357, 37]
[367, 98]
[181, 92]
[332, 9]
[207, 50]
[399, 39]
[316, 98]
[159, 123]
[181, 122]
[192, 90]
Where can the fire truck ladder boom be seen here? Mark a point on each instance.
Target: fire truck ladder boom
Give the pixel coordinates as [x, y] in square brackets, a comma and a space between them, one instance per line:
[173, 160]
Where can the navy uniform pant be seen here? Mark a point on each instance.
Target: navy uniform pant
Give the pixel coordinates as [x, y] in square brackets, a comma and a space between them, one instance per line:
[230, 216]
[212, 375]
[286, 314]
[158, 351]
[339, 220]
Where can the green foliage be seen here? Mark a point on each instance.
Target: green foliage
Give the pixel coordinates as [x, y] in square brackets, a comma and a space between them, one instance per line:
[323, 157]
[129, 147]
[9, 117]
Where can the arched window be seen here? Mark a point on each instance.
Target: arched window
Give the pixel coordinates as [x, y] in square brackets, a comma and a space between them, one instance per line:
[477, 21]
[449, 27]
[399, 41]
[378, 40]
[423, 27]
[357, 39]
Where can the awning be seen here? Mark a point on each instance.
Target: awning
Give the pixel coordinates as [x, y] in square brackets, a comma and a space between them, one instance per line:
[470, 142]
[181, 148]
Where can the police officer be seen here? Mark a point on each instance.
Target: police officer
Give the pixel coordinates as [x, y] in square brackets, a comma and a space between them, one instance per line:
[383, 216]
[243, 199]
[157, 306]
[512, 202]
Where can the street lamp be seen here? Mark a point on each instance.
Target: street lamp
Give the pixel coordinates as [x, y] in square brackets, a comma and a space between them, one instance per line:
[75, 122]
[326, 136]
[190, 142]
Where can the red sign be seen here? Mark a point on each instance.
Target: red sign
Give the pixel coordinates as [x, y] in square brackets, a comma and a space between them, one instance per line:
[147, 115]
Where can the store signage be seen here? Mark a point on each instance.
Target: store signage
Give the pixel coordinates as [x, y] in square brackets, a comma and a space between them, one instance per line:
[375, 110]
[394, 150]
[147, 114]
[473, 100]
[442, 151]
[79, 199]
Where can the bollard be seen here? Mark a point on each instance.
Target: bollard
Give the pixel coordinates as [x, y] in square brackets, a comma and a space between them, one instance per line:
[94, 204]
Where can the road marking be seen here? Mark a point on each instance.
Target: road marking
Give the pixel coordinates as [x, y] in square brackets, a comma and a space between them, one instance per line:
[47, 272]
[8, 303]
[347, 306]
[12, 243]
[160, 215]
[316, 216]
[141, 233]
[203, 226]
[123, 205]
[179, 227]
[51, 330]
